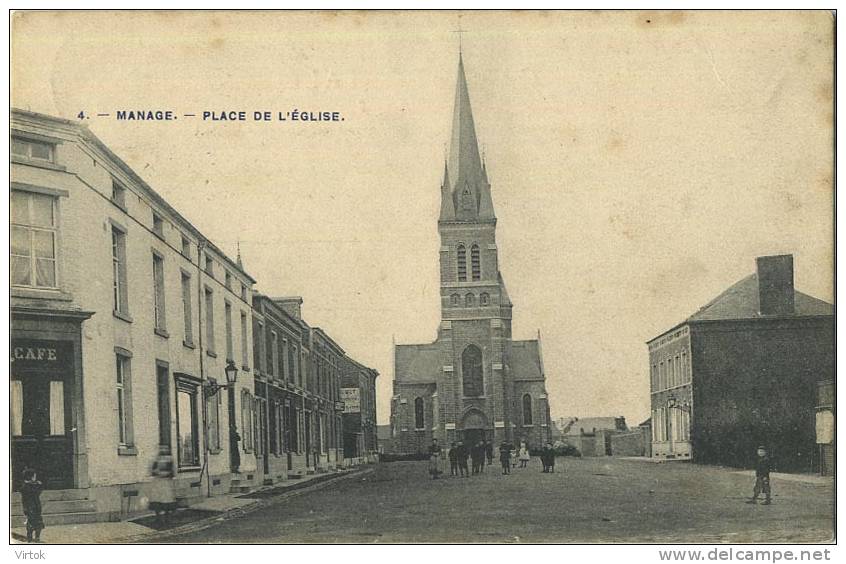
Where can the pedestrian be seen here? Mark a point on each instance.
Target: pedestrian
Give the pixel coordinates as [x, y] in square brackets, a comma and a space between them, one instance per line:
[524, 455]
[763, 465]
[31, 500]
[482, 457]
[514, 456]
[461, 454]
[453, 461]
[435, 459]
[505, 457]
[548, 458]
[489, 452]
[162, 497]
[474, 458]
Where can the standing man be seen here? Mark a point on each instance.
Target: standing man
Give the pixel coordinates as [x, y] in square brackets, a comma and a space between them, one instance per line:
[763, 466]
[505, 457]
[489, 452]
[482, 455]
[461, 454]
[453, 461]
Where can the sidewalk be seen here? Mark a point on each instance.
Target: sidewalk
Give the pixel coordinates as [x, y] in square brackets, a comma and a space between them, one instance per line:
[208, 512]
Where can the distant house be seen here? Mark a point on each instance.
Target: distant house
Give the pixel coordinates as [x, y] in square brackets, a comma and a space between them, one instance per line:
[587, 425]
[743, 371]
[383, 437]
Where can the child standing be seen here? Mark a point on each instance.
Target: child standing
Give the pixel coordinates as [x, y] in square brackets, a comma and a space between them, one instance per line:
[31, 498]
[763, 465]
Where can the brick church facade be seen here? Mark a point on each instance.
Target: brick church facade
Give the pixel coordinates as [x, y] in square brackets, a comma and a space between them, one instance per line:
[474, 382]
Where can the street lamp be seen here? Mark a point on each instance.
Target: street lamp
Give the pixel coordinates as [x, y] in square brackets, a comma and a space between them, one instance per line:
[211, 388]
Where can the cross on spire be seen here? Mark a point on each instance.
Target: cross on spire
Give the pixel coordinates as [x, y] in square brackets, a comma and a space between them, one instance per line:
[459, 31]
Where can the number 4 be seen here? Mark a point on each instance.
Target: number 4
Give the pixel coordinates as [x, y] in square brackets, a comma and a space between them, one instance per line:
[81, 115]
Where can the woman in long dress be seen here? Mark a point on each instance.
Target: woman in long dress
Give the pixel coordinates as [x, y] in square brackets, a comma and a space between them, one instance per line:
[435, 459]
[162, 496]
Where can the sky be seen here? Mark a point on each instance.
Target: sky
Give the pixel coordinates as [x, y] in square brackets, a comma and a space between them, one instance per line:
[639, 161]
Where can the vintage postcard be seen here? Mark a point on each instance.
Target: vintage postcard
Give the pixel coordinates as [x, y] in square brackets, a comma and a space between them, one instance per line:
[422, 277]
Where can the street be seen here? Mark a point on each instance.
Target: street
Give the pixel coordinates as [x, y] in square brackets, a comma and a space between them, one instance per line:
[590, 500]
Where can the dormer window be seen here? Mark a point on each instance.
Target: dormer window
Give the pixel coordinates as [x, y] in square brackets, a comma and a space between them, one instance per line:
[33, 150]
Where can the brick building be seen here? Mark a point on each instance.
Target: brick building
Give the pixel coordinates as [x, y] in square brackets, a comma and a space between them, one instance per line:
[474, 381]
[122, 316]
[358, 389]
[743, 371]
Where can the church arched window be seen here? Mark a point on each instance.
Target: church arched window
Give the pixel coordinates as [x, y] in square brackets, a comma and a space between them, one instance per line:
[484, 299]
[419, 421]
[476, 262]
[469, 300]
[455, 300]
[471, 371]
[462, 263]
[527, 409]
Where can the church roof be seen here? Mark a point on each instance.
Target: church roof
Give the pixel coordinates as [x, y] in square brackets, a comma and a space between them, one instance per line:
[526, 360]
[465, 165]
[417, 364]
[741, 301]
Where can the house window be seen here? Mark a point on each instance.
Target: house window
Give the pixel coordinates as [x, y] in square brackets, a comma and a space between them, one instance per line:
[246, 420]
[469, 300]
[476, 262]
[34, 150]
[123, 386]
[274, 354]
[121, 300]
[158, 293]
[209, 320]
[419, 422]
[471, 371]
[245, 358]
[163, 403]
[455, 300]
[484, 299]
[243, 292]
[258, 345]
[527, 409]
[227, 314]
[684, 368]
[187, 424]
[33, 240]
[462, 264]
[158, 225]
[209, 266]
[186, 247]
[118, 194]
[227, 281]
[186, 309]
[213, 422]
[295, 369]
[287, 362]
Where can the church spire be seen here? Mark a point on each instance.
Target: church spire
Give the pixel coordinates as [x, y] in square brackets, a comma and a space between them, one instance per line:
[470, 192]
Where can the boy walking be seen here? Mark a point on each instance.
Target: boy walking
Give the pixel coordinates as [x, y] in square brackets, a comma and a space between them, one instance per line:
[31, 500]
[763, 465]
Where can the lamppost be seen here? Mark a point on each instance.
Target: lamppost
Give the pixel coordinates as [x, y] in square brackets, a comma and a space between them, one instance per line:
[211, 389]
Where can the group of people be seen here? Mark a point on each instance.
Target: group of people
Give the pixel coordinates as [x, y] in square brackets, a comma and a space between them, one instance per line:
[481, 453]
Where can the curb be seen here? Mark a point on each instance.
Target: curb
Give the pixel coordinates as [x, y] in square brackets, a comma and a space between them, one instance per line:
[237, 512]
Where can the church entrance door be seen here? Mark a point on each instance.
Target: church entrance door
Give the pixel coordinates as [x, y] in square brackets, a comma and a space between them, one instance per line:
[474, 426]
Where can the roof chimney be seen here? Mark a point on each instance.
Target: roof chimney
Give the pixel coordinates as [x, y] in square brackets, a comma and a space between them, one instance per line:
[290, 305]
[775, 285]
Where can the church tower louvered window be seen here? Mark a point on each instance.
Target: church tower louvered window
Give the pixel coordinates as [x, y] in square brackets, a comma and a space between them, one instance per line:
[476, 262]
[462, 264]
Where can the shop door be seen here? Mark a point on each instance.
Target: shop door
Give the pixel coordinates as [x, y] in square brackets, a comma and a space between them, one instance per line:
[40, 411]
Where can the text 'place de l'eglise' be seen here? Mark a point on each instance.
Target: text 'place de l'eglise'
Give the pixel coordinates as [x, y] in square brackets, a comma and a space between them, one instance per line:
[133, 337]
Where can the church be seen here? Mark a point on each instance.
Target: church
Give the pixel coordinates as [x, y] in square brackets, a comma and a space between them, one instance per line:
[474, 382]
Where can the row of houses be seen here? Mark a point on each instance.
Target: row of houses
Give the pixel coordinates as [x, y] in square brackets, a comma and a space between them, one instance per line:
[133, 334]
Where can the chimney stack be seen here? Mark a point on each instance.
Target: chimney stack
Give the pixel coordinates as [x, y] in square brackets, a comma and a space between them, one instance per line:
[775, 285]
[291, 305]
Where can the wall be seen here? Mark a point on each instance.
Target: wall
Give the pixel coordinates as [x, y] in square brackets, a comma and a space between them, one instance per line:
[756, 383]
